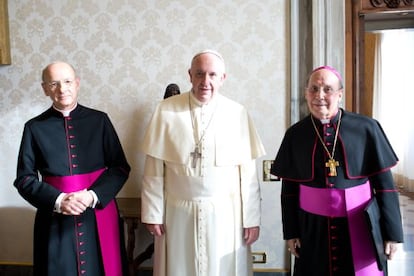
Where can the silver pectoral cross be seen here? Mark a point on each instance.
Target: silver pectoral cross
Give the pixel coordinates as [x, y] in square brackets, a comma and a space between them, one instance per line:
[195, 155]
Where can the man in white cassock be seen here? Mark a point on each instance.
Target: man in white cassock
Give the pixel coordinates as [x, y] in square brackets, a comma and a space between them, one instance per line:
[200, 191]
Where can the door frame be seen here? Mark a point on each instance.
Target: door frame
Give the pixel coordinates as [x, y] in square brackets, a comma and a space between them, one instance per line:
[356, 13]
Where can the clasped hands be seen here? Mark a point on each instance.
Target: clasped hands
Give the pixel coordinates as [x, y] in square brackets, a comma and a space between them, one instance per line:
[76, 203]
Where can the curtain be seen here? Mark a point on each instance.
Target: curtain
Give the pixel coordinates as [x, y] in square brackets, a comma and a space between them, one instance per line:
[393, 98]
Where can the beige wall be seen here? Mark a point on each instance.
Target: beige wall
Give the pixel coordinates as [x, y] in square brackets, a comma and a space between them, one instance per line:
[126, 52]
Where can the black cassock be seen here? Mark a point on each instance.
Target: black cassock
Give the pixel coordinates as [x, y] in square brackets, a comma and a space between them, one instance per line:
[54, 145]
[363, 153]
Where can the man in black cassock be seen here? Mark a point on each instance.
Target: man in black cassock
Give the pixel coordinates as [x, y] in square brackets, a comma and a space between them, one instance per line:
[336, 185]
[70, 168]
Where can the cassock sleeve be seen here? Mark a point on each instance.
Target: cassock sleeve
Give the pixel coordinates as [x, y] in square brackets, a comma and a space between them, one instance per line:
[290, 209]
[388, 202]
[250, 192]
[117, 170]
[41, 195]
[152, 194]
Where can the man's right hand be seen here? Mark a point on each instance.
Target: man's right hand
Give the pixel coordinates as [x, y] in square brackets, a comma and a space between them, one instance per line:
[293, 246]
[72, 205]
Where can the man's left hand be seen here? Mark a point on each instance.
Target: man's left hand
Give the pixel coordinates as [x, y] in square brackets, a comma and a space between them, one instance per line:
[390, 249]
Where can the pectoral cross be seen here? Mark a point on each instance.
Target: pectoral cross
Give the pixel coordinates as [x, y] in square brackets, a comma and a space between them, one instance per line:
[195, 155]
[332, 164]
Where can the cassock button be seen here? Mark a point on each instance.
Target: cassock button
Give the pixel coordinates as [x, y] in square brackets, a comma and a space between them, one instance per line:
[72, 146]
[74, 165]
[83, 271]
[71, 136]
[82, 252]
[80, 234]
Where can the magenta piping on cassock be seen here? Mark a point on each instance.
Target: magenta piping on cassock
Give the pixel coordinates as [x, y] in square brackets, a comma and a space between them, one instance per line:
[106, 218]
[348, 203]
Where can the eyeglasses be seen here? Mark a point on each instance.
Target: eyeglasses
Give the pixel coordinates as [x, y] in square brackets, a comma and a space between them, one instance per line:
[66, 83]
[325, 89]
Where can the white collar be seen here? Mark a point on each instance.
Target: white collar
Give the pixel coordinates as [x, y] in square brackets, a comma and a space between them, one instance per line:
[65, 113]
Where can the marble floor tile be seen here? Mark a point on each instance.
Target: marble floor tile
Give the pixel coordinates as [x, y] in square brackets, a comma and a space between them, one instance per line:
[403, 263]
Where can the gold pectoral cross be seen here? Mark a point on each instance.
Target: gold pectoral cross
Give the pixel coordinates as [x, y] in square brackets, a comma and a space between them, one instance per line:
[195, 155]
[332, 164]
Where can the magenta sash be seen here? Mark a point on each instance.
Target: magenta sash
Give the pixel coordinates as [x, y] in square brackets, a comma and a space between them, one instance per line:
[348, 203]
[106, 219]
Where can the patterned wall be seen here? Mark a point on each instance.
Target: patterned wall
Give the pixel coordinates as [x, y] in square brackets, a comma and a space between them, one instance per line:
[126, 52]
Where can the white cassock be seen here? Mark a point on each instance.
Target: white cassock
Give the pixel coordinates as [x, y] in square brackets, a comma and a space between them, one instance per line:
[205, 207]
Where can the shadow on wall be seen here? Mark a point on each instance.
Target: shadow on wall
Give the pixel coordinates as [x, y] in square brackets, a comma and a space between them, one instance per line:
[16, 235]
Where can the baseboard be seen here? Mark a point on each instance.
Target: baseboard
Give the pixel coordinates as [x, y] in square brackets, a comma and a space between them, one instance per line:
[16, 270]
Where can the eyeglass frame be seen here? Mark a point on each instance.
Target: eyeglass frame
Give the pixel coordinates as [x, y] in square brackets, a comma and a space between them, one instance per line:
[327, 89]
[53, 85]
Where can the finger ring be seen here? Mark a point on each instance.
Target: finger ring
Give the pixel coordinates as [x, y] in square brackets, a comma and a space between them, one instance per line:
[288, 249]
[152, 233]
